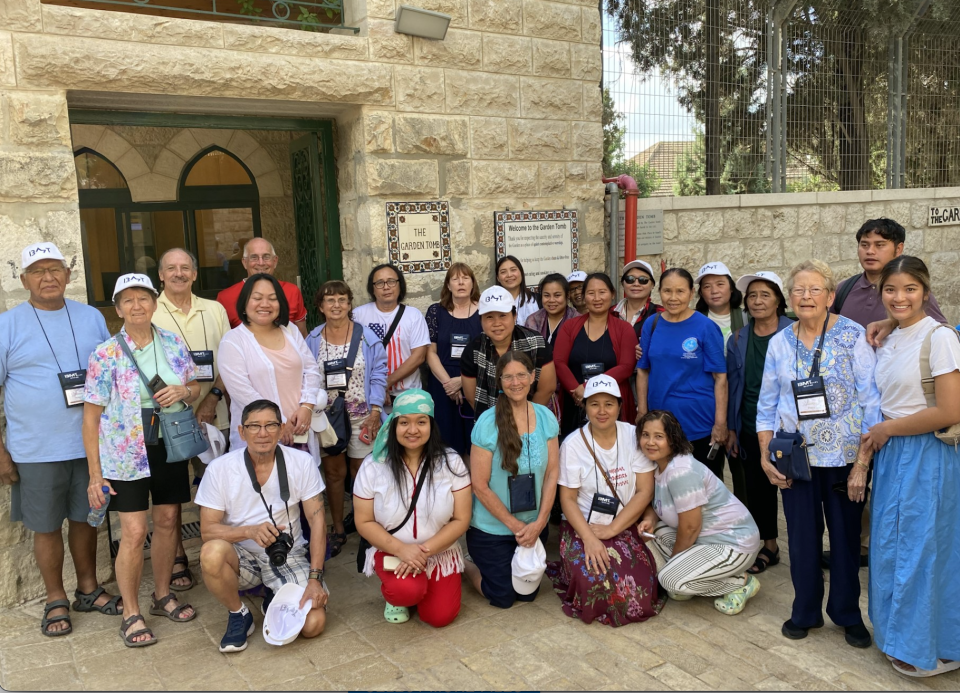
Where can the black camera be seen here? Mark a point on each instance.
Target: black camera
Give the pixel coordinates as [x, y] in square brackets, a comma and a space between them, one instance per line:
[278, 550]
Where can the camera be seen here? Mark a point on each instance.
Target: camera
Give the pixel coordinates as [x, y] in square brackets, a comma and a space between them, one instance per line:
[278, 550]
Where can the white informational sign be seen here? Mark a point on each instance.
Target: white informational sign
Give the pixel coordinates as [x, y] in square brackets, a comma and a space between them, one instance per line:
[944, 216]
[543, 241]
[649, 231]
[418, 235]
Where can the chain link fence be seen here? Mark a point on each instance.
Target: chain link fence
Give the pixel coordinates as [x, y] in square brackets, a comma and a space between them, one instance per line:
[751, 96]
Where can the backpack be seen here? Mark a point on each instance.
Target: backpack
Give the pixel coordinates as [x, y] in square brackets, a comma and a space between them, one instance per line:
[843, 291]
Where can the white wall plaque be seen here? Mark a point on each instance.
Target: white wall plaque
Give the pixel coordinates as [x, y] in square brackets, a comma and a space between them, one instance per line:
[649, 231]
[944, 216]
[544, 241]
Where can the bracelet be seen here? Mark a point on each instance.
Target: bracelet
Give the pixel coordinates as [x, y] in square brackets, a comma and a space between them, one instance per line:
[304, 406]
[862, 464]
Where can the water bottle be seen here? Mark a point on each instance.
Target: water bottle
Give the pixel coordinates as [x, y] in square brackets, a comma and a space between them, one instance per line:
[96, 515]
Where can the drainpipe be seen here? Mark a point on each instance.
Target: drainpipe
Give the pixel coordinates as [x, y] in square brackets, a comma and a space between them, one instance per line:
[612, 205]
[629, 187]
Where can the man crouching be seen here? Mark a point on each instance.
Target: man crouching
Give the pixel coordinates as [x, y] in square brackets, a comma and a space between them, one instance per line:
[250, 522]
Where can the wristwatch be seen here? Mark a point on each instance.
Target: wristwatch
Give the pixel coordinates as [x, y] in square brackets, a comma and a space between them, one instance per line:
[316, 574]
[217, 391]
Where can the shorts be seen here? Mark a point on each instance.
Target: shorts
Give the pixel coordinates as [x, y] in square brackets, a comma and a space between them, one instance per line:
[50, 492]
[493, 554]
[168, 484]
[355, 448]
[256, 569]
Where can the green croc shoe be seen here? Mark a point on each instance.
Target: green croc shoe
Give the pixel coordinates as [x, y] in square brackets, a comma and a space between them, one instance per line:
[734, 602]
[396, 614]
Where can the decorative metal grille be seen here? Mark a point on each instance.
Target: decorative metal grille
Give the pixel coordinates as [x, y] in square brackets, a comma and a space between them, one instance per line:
[303, 170]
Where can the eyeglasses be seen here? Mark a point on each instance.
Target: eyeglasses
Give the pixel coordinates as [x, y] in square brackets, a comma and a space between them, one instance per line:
[266, 257]
[518, 378]
[814, 291]
[386, 282]
[54, 272]
[256, 428]
[633, 279]
[331, 301]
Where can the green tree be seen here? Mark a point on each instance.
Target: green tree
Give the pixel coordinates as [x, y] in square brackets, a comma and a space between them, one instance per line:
[615, 162]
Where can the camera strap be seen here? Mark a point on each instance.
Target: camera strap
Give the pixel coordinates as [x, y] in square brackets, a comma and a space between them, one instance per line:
[281, 478]
[596, 461]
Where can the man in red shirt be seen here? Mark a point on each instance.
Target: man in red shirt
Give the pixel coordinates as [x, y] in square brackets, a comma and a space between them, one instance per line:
[259, 256]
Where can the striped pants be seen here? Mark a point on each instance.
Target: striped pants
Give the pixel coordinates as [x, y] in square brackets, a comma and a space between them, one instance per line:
[703, 570]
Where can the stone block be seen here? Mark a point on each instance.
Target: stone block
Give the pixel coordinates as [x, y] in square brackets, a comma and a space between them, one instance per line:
[592, 222]
[588, 141]
[586, 61]
[402, 177]
[270, 184]
[686, 255]
[185, 145]
[728, 252]
[139, 28]
[496, 16]
[260, 161]
[742, 223]
[477, 93]
[592, 102]
[507, 54]
[827, 248]
[583, 181]
[457, 179]
[37, 176]
[785, 223]
[169, 164]
[898, 210]
[457, 9]
[386, 45]
[593, 256]
[480, 263]
[384, 9]
[8, 78]
[432, 135]
[20, 15]
[85, 136]
[833, 218]
[500, 178]
[591, 28]
[767, 253]
[551, 58]
[241, 144]
[460, 48]
[670, 227]
[279, 40]
[112, 146]
[808, 221]
[539, 139]
[420, 89]
[152, 188]
[37, 120]
[488, 138]
[552, 179]
[919, 214]
[700, 226]
[551, 20]
[378, 132]
[132, 165]
[796, 250]
[558, 99]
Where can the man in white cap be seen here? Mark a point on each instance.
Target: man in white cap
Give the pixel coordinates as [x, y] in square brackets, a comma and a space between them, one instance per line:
[45, 344]
[575, 281]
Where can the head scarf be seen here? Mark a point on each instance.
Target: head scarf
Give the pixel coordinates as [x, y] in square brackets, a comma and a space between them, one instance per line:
[408, 402]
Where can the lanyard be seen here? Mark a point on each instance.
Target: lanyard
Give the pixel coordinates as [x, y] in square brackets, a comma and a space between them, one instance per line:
[202, 322]
[345, 345]
[593, 442]
[75, 347]
[815, 366]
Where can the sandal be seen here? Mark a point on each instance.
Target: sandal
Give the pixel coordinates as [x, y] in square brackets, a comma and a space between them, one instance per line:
[174, 614]
[734, 603]
[87, 602]
[943, 666]
[128, 637]
[335, 543]
[396, 614]
[180, 574]
[760, 565]
[48, 620]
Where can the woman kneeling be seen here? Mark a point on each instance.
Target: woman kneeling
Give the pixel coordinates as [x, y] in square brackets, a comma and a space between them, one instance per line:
[605, 571]
[707, 536]
[412, 502]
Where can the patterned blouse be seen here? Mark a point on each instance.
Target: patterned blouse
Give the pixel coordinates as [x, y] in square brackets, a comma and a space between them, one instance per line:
[847, 367]
[114, 383]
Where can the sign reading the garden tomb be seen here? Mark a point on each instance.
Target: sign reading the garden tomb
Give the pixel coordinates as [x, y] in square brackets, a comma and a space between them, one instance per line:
[944, 216]
[418, 235]
[544, 242]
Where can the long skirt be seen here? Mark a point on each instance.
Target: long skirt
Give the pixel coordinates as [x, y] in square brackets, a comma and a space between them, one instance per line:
[915, 550]
[628, 593]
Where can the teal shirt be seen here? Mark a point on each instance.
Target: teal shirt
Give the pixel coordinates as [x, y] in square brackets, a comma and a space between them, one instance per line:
[533, 458]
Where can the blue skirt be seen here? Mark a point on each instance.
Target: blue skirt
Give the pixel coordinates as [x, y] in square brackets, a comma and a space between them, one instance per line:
[915, 550]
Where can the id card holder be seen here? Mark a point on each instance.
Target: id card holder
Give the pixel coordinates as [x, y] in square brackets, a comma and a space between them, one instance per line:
[523, 497]
[151, 426]
[335, 373]
[588, 370]
[810, 396]
[603, 509]
[458, 342]
[72, 382]
[203, 360]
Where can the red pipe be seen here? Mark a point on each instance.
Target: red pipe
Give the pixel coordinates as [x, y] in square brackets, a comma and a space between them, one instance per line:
[629, 187]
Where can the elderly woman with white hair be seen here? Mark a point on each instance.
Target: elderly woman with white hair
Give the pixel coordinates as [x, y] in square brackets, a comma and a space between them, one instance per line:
[817, 398]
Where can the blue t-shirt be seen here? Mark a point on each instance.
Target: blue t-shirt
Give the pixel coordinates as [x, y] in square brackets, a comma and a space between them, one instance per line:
[40, 427]
[681, 359]
[533, 458]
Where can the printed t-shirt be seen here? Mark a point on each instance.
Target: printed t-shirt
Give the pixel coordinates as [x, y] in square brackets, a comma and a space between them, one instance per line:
[753, 379]
[623, 462]
[226, 486]
[228, 299]
[723, 322]
[40, 426]
[687, 484]
[533, 459]
[681, 359]
[898, 366]
[411, 333]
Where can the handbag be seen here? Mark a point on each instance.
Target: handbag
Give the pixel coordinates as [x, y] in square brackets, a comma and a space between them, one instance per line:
[950, 435]
[364, 544]
[788, 452]
[337, 418]
[183, 436]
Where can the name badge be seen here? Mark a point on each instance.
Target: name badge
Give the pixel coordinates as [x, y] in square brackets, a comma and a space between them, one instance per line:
[523, 496]
[588, 370]
[603, 509]
[335, 372]
[458, 343]
[810, 396]
[72, 382]
[203, 360]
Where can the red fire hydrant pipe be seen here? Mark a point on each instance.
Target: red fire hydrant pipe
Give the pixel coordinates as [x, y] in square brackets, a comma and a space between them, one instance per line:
[629, 187]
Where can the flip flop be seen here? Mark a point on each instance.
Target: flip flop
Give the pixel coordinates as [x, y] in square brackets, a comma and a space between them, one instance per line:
[48, 620]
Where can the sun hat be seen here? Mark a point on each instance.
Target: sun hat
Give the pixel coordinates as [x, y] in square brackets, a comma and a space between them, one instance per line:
[527, 567]
[413, 401]
[637, 264]
[284, 618]
[716, 268]
[744, 281]
[39, 251]
[601, 383]
[128, 281]
[496, 299]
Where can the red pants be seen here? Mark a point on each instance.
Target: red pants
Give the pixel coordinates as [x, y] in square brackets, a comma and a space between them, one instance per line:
[437, 599]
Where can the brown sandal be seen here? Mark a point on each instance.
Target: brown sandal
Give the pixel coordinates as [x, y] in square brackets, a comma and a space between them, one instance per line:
[174, 614]
[128, 637]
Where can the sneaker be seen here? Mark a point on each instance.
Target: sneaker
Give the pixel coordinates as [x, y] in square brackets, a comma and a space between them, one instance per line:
[239, 628]
[734, 602]
[794, 632]
[857, 636]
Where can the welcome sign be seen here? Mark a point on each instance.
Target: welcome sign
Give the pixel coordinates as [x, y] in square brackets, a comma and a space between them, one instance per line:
[543, 241]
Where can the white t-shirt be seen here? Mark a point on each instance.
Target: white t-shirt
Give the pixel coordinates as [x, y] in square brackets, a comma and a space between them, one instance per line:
[898, 366]
[226, 486]
[411, 333]
[622, 462]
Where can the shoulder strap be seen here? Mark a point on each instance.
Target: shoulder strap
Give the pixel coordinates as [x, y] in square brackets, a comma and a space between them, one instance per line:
[653, 328]
[603, 471]
[926, 372]
[136, 366]
[393, 326]
[413, 501]
[354, 348]
[844, 291]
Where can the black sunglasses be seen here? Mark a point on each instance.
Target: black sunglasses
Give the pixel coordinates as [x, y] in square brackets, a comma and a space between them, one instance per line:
[633, 279]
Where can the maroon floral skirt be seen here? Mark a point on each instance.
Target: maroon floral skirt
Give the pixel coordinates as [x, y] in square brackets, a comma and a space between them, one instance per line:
[628, 593]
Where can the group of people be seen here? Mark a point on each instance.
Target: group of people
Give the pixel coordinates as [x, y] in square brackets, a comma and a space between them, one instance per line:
[618, 416]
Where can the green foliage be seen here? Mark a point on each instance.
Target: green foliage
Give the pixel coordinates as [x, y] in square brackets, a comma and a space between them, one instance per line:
[615, 162]
[742, 171]
[248, 7]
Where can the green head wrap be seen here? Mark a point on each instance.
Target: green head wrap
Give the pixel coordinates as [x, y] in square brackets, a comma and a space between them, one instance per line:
[408, 402]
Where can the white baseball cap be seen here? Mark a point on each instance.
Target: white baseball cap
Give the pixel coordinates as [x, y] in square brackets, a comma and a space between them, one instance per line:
[217, 444]
[578, 276]
[716, 268]
[128, 281]
[39, 251]
[528, 566]
[637, 264]
[601, 383]
[284, 618]
[744, 281]
[496, 299]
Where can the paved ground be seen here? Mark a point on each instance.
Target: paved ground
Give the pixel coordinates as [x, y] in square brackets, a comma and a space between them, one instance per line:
[689, 646]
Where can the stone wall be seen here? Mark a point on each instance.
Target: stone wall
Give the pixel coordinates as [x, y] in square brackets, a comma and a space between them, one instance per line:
[776, 232]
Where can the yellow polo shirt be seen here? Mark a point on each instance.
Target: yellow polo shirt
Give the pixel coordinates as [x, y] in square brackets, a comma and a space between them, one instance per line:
[201, 330]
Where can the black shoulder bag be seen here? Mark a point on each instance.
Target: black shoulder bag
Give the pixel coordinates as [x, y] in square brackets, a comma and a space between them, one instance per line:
[337, 413]
[364, 544]
[844, 291]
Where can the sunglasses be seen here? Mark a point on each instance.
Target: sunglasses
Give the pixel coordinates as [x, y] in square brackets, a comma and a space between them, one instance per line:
[633, 279]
